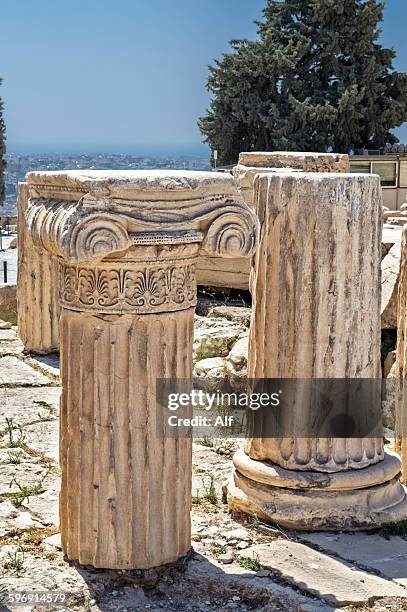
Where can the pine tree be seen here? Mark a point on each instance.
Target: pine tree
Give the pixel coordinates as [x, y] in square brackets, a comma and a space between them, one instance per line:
[315, 79]
[2, 152]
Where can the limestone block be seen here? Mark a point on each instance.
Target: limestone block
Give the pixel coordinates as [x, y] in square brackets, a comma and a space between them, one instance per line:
[223, 273]
[316, 314]
[214, 337]
[384, 556]
[397, 221]
[37, 288]
[236, 314]
[308, 162]
[319, 574]
[210, 373]
[237, 364]
[389, 397]
[390, 268]
[13, 371]
[389, 363]
[127, 245]
[390, 391]
[8, 303]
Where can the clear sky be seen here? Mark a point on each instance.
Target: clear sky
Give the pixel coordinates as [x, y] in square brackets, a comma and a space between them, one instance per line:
[124, 75]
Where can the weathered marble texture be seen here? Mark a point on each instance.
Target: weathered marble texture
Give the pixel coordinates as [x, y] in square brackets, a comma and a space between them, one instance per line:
[316, 300]
[37, 288]
[128, 245]
[253, 163]
[316, 314]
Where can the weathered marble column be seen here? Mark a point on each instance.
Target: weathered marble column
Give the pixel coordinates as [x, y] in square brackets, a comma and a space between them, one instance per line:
[316, 301]
[401, 359]
[127, 255]
[37, 288]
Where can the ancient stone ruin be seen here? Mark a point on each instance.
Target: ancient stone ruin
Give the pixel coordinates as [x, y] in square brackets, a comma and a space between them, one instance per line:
[316, 315]
[127, 247]
[113, 259]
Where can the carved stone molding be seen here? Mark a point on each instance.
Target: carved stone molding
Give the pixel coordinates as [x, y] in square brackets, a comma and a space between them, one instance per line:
[91, 229]
[230, 230]
[117, 288]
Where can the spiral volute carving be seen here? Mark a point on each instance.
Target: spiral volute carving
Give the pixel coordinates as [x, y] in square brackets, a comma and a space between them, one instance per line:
[232, 234]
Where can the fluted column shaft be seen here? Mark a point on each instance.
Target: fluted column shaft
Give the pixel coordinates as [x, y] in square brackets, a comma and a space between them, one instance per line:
[125, 498]
[316, 315]
[316, 301]
[37, 288]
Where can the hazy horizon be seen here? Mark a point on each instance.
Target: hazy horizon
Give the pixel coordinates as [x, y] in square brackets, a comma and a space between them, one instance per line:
[113, 149]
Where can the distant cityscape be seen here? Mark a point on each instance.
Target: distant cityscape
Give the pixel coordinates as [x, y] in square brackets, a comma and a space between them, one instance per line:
[18, 165]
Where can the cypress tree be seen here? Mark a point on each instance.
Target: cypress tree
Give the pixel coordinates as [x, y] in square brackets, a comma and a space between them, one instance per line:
[315, 79]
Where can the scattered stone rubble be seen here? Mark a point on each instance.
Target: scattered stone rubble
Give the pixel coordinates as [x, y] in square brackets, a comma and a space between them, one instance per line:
[238, 563]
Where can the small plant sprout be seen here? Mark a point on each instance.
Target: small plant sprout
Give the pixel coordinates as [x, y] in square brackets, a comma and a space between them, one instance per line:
[210, 491]
[15, 559]
[14, 441]
[251, 563]
[26, 491]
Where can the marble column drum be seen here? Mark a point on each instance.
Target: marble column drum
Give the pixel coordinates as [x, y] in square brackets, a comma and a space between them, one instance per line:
[127, 252]
[316, 314]
[37, 288]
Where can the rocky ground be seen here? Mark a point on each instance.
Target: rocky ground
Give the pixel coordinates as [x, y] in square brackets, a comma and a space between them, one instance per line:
[236, 564]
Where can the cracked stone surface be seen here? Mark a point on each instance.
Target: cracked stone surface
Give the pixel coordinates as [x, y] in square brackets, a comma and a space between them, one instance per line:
[324, 571]
[317, 573]
[48, 364]
[24, 404]
[387, 557]
[13, 371]
[42, 437]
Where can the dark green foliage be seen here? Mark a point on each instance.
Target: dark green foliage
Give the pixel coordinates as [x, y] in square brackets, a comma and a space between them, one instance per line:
[394, 529]
[2, 151]
[388, 344]
[315, 79]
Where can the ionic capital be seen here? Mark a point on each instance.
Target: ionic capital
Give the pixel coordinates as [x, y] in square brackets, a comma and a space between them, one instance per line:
[86, 217]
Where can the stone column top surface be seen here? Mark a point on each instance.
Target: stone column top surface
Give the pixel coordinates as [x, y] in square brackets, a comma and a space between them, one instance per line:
[308, 161]
[317, 178]
[129, 184]
[87, 215]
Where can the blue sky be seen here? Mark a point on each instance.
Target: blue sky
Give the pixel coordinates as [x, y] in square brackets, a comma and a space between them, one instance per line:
[124, 75]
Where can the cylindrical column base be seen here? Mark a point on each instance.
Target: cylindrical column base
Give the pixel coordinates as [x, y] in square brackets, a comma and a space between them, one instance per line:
[357, 499]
